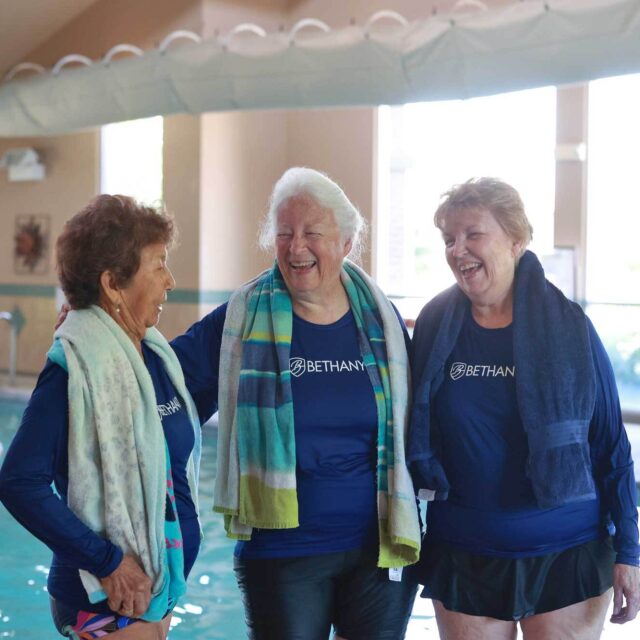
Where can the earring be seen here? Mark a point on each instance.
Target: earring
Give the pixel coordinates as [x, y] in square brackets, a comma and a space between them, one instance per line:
[118, 308]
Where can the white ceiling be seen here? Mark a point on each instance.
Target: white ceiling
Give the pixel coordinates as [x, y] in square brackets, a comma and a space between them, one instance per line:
[26, 24]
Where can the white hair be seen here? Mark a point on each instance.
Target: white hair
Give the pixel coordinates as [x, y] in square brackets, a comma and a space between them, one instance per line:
[299, 181]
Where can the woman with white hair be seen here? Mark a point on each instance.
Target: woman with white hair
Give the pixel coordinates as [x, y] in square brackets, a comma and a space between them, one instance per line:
[313, 407]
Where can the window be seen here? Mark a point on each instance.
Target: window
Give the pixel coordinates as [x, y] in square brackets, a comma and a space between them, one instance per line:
[613, 227]
[426, 148]
[131, 159]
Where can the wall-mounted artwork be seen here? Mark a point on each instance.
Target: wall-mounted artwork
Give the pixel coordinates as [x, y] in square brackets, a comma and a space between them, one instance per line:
[31, 244]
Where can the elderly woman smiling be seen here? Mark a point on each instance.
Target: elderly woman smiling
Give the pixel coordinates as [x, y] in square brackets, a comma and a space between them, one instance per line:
[112, 425]
[313, 408]
[517, 433]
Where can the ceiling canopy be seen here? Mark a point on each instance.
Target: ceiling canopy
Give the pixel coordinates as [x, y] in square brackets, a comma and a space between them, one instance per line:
[387, 61]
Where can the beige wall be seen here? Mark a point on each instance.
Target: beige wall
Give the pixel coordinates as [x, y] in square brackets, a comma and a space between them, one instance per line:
[72, 178]
[104, 24]
[36, 336]
[181, 191]
[244, 153]
[220, 16]
[339, 142]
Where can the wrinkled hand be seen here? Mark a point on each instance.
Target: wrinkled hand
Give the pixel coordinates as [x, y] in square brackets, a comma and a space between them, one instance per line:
[64, 309]
[626, 584]
[128, 589]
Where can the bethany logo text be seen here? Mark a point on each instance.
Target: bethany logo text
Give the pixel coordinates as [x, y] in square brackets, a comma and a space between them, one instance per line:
[463, 370]
[299, 366]
[169, 408]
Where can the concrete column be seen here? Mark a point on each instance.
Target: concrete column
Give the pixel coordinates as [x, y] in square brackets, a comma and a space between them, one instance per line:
[570, 227]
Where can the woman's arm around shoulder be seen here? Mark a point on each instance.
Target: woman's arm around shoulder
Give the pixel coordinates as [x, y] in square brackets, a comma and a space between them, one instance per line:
[198, 350]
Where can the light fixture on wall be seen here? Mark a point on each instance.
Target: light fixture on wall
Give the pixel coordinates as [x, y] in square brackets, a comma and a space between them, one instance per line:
[22, 164]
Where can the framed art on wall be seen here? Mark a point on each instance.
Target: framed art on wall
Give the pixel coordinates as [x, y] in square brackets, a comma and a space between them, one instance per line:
[31, 244]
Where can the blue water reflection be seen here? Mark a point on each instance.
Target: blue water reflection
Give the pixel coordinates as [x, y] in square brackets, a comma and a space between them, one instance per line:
[211, 608]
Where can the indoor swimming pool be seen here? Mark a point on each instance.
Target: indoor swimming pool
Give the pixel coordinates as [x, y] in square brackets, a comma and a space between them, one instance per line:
[211, 609]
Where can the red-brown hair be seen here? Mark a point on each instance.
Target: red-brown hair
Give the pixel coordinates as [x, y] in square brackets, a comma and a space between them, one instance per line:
[107, 235]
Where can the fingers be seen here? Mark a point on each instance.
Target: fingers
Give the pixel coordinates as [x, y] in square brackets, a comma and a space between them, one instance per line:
[617, 600]
[114, 602]
[627, 613]
[135, 604]
[622, 617]
[64, 310]
[141, 602]
[626, 588]
[128, 589]
[127, 608]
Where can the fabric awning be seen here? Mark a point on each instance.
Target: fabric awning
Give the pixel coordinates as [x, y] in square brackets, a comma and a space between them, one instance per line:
[528, 44]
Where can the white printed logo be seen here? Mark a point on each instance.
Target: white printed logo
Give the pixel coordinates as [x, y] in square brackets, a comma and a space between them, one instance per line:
[297, 366]
[169, 408]
[460, 369]
[457, 370]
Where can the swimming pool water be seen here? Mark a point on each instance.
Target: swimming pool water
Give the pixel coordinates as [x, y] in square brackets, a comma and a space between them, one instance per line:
[211, 608]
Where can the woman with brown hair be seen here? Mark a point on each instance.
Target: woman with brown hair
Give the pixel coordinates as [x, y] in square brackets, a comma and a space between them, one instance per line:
[113, 427]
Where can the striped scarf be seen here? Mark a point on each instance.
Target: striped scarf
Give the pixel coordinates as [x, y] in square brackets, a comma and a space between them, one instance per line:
[256, 480]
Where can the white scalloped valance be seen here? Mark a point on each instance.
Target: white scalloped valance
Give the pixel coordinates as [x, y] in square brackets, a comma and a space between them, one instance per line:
[530, 43]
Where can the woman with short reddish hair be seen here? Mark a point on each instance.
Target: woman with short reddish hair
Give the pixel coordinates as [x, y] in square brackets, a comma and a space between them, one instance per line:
[113, 427]
[517, 434]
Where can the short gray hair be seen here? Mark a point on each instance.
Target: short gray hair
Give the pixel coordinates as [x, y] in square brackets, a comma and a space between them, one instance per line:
[299, 181]
[494, 195]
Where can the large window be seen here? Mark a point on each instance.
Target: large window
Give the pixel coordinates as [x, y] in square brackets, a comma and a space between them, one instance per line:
[131, 159]
[613, 227]
[426, 148]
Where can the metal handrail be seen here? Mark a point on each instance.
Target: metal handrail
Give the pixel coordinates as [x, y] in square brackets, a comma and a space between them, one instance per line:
[13, 345]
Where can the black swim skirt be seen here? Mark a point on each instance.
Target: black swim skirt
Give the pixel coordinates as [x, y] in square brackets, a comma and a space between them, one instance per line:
[514, 588]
